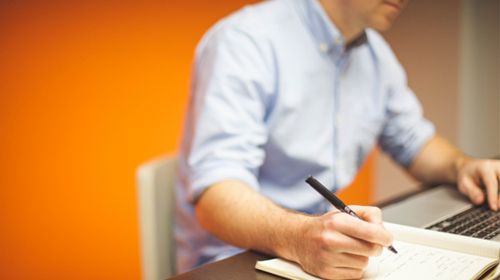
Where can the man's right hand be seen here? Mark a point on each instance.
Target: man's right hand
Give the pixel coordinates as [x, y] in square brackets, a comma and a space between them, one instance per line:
[337, 245]
[332, 246]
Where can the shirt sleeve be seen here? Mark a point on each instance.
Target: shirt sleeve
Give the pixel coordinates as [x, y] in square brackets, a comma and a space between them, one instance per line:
[405, 130]
[225, 129]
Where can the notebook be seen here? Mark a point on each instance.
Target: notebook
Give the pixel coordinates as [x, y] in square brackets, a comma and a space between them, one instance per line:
[422, 254]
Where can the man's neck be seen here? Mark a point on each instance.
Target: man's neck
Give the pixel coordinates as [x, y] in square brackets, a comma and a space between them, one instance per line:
[343, 20]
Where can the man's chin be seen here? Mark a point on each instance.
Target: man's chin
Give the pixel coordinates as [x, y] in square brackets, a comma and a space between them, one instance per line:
[382, 24]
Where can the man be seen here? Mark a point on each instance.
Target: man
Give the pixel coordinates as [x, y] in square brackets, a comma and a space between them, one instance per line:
[290, 88]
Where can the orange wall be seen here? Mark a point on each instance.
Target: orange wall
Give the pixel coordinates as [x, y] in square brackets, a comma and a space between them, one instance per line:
[361, 191]
[88, 91]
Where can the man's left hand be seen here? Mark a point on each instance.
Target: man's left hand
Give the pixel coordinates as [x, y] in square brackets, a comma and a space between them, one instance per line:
[474, 175]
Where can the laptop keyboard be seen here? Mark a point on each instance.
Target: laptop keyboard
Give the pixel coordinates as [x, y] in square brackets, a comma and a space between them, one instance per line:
[477, 222]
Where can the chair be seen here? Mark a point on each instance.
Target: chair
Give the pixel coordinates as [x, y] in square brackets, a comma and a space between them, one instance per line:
[156, 205]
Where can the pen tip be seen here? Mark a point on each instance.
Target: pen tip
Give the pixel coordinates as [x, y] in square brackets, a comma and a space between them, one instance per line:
[393, 250]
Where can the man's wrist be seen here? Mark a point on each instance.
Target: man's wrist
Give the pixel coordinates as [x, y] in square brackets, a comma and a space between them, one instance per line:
[292, 235]
[458, 163]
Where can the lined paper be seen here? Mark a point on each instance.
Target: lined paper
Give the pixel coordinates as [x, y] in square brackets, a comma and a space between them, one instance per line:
[422, 262]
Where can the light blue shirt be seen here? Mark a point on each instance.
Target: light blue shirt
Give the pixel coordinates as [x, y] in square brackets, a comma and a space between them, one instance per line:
[276, 97]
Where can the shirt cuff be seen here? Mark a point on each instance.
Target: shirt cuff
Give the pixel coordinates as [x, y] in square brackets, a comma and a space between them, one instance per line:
[415, 144]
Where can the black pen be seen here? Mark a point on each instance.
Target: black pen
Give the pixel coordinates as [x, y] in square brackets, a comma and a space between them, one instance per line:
[335, 201]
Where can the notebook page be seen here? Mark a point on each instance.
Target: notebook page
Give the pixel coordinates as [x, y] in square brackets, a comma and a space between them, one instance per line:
[464, 244]
[415, 261]
[412, 262]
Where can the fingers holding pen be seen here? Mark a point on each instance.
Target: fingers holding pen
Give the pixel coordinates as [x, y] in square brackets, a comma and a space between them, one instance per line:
[338, 246]
[362, 230]
[342, 243]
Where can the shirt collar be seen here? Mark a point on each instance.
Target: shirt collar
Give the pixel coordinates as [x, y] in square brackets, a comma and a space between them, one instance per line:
[326, 34]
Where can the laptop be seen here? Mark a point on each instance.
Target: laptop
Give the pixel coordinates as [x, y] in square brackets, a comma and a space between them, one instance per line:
[444, 209]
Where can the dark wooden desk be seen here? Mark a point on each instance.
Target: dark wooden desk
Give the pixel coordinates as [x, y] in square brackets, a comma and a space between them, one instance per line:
[238, 267]
[242, 266]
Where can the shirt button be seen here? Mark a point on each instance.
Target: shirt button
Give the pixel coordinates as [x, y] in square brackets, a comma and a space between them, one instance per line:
[338, 41]
[323, 47]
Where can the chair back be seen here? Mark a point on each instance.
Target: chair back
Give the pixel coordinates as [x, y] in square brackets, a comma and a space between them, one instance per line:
[155, 180]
